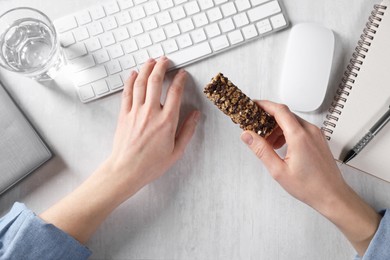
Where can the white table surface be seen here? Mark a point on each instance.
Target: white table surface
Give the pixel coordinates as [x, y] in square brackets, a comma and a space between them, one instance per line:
[219, 201]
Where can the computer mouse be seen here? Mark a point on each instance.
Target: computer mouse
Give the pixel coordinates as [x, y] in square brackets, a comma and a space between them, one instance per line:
[307, 66]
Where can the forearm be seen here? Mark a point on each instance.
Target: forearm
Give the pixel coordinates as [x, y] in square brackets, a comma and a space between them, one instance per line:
[357, 220]
[81, 212]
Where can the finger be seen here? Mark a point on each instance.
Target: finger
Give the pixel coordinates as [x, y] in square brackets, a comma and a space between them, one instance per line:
[185, 133]
[279, 142]
[155, 82]
[264, 151]
[127, 94]
[175, 92]
[274, 135]
[285, 118]
[140, 84]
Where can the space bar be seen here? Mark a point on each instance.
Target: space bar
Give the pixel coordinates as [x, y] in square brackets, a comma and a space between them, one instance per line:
[189, 54]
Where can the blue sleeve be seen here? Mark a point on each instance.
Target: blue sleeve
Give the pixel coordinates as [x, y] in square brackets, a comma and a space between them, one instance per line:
[23, 235]
[379, 248]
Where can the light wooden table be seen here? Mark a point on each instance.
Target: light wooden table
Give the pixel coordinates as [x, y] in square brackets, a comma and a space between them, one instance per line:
[219, 201]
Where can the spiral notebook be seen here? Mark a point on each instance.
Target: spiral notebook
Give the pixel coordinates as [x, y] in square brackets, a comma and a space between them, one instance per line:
[21, 148]
[363, 97]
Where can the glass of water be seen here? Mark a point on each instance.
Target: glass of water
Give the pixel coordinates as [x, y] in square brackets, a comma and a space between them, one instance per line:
[29, 44]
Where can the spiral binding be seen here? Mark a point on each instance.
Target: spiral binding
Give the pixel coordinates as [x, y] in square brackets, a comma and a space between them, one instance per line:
[352, 70]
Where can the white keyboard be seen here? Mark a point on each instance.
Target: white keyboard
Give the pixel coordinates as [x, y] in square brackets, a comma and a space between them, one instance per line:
[104, 43]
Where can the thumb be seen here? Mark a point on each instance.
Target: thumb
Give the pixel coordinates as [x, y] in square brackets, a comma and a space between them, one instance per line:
[263, 150]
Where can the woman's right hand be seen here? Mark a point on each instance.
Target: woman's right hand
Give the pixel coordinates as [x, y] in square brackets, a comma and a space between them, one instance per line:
[309, 173]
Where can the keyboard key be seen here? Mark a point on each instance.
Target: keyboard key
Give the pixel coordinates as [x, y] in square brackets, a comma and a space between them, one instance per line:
[186, 25]
[205, 4]
[113, 67]
[177, 13]
[184, 41]
[135, 28]
[137, 2]
[65, 24]
[121, 34]
[97, 12]
[75, 51]
[264, 26]
[226, 25]
[115, 51]
[82, 63]
[81, 34]
[127, 62]
[258, 2]
[241, 19]
[83, 17]
[123, 18]
[200, 19]
[262, 11]
[151, 7]
[163, 18]
[218, 2]
[107, 39]
[165, 4]
[100, 87]
[67, 39]
[278, 21]
[235, 37]
[155, 51]
[178, 2]
[158, 35]
[249, 31]
[192, 8]
[90, 75]
[198, 35]
[95, 28]
[109, 23]
[149, 23]
[137, 13]
[214, 14]
[219, 43]
[212, 30]
[86, 93]
[92, 44]
[143, 41]
[115, 82]
[111, 8]
[170, 46]
[125, 4]
[189, 54]
[242, 5]
[130, 46]
[228, 9]
[141, 56]
[172, 30]
[101, 56]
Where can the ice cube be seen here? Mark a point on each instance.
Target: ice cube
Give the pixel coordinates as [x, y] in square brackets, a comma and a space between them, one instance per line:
[15, 36]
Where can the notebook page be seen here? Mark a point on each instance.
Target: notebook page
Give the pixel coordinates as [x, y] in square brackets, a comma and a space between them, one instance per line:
[367, 102]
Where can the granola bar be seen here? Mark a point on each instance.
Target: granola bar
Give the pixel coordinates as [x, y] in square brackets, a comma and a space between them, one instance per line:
[240, 108]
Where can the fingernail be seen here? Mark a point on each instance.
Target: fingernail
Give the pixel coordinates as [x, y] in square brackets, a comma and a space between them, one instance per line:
[247, 138]
[150, 60]
[132, 73]
[196, 117]
[163, 58]
[182, 70]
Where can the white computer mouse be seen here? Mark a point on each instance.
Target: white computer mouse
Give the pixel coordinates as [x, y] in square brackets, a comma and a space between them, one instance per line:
[307, 67]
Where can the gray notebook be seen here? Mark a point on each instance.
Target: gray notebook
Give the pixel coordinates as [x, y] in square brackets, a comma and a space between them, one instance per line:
[21, 148]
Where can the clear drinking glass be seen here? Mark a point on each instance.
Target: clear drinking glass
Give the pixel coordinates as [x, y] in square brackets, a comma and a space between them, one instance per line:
[29, 44]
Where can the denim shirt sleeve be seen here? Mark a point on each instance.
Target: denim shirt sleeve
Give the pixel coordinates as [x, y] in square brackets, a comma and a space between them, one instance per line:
[379, 248]
[23, 235]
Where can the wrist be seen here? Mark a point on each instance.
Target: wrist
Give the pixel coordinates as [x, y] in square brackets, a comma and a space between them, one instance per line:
[357, 220]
